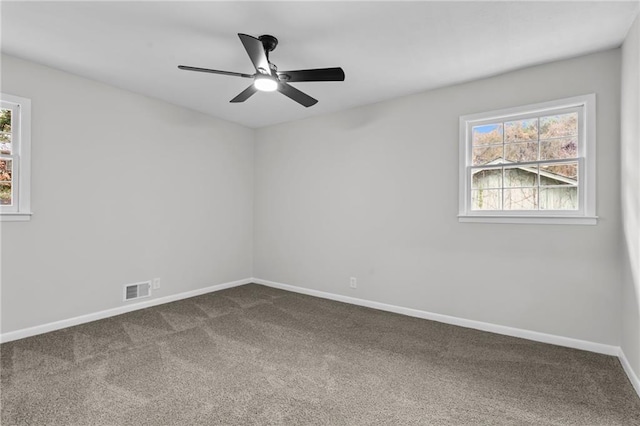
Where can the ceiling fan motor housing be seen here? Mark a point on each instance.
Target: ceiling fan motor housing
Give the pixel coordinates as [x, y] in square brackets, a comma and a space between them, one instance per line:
[269, 42]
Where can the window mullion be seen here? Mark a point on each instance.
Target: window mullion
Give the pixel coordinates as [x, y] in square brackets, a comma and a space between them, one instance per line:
[527, 163]
[538, 174]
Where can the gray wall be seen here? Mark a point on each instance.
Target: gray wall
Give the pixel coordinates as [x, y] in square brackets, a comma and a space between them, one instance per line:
[630, 161]
[125, 188]
[372, 193]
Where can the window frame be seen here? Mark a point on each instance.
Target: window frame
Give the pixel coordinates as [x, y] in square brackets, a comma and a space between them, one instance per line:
[20, 210]
[586, 157]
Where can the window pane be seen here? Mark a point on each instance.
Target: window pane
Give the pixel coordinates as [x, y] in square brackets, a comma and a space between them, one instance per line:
[517, 152]
[559, 174]
[554, 126]
[486, 199]
[521, 199]
[559, 198]
[5, 193]
[486, 179]
[5, 182]
[521, 176]
[5, 120]
[5, 143]
[487, 134]
[521, 130]
[5, 131]
[557, 149]
[486, 154]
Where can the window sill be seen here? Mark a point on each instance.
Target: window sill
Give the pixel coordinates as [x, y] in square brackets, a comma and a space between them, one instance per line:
[15, 217]
[531, 220]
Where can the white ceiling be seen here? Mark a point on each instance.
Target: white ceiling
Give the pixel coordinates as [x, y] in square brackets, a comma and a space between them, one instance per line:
[387, 49]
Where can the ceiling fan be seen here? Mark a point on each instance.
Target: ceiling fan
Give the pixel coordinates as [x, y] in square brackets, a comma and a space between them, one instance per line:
[267, 78]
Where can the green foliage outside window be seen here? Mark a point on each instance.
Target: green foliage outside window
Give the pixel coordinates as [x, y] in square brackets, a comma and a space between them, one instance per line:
[5, 165]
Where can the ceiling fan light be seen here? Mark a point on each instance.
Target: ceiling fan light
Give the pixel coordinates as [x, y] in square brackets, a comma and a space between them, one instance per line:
[265, 84]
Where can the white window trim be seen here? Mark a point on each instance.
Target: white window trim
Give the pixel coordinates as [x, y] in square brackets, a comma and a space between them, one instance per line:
[23, 165]
[586, 215]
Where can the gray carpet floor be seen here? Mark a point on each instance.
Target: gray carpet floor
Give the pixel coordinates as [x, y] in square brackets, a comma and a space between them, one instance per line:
[256, 355]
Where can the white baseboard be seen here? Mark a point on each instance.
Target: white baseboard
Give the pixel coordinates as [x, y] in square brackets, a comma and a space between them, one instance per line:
[633, 377]
[478, 325]
[57, 325]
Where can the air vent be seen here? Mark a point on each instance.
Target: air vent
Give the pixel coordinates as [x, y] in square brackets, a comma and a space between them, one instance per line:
[137, 290]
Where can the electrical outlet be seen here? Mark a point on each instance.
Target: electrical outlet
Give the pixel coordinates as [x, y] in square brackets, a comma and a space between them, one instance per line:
[353, 283]
[156, 283]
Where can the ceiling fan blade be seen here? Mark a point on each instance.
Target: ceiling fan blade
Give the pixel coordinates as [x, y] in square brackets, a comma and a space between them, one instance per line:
[245, 94]
[255, 50]
[318, 74]
[298, 96]
[235, 74]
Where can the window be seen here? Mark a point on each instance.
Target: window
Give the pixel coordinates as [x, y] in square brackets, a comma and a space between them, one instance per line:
[530, 164]
[15, 141]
